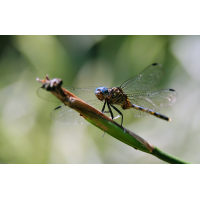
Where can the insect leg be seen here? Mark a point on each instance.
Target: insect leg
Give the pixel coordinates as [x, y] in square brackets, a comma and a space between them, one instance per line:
[110, 110]
[119, 113]
[103, 107]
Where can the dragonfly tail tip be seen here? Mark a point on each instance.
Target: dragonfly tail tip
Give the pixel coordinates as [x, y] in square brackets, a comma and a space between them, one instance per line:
[169, 120]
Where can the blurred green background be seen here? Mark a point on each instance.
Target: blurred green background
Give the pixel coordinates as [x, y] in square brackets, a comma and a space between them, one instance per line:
[28, 135]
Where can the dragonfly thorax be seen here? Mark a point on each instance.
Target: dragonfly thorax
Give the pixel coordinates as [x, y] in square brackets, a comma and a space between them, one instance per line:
[116, 96]
[102, 93]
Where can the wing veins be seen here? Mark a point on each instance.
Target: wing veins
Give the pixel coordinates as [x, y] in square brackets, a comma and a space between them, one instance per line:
[145, 80]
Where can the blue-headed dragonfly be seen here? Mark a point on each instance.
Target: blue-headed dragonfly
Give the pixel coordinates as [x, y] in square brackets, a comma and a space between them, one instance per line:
[133, 94]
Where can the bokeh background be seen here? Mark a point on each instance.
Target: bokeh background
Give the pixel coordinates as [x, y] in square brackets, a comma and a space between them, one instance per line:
[28, 135]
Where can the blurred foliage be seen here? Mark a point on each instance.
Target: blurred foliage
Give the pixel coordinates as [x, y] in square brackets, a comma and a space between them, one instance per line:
[27, 134]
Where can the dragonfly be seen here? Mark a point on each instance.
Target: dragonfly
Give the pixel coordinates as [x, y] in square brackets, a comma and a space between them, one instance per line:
[134, 94]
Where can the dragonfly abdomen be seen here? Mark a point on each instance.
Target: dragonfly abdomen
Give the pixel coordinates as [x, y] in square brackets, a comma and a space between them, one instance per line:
[151, 112]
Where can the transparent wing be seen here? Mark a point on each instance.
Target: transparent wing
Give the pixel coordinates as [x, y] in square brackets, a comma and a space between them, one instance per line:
[68, 115]
[144, 81]
[154, 100]
[84, 93]
[43, 94]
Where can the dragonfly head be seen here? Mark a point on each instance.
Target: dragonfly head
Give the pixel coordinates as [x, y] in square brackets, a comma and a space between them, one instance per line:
[102, 93]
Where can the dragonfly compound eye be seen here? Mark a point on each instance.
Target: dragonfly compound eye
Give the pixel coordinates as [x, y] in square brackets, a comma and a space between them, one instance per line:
[101, 93]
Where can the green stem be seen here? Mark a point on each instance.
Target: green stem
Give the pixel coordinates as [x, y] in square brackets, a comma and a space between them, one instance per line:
[137, 142]
[167, 157]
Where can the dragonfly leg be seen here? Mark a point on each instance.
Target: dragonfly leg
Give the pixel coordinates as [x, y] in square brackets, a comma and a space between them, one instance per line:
[110, 111]
[119, 113]
[151, 112]
[103, 107]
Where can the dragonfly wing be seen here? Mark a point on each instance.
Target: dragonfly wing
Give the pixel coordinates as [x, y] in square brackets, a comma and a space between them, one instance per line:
[84, 93]
[144, 81]
[43, 94]
[67, 115]
[70, 116]
[154, 100]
